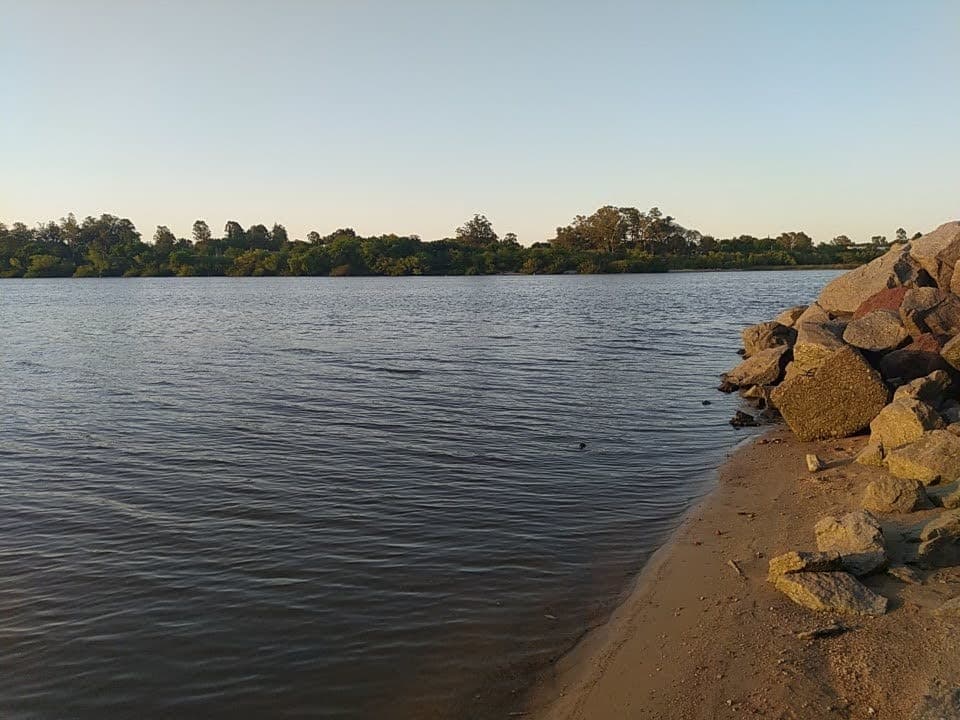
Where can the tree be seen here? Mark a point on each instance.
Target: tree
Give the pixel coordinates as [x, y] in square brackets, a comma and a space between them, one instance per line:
[233, 234]
[901, 236]
[258, 238]
[201, 232]
[477, 232]
[279, 235]
[313, 237]
[163, 237]
[879, 240]
[841, 241]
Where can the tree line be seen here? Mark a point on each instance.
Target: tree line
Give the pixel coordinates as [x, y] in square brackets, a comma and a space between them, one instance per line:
[611, 240]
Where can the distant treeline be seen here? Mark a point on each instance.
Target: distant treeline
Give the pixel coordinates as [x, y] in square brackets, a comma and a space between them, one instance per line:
[611, 240]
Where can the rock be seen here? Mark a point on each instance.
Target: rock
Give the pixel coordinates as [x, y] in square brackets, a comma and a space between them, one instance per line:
[790, 316]
[940, 540]
[814, 313]
[741, 419]
[815, 342]
[895, 495]
[951, 608]
[902, 422]
[930, 310]
[933, 458]
[764, 368]
[939, 704]
[951, 352]
[839, 399]
[905, 574]
[950, 412]
[857, 537]
[930, 389]
[872, 454]
[831, 592]
[878, 331]
[937, 253]
[766, 335]
[950, 500]
[794, 562]
[888, 299]
[919, 358]
[814, 463]
[846, 293]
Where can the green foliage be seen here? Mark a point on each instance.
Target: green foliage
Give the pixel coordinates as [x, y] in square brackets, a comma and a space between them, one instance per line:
[611, 240]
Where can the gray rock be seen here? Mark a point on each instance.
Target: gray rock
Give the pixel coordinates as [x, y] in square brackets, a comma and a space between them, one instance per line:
[930, 389]
[878, 331]
[902, 422]
[764, 336]
[894, 495]
[845, 293]
[831, 592]
[857, 537]
[940, 540]
[763, 368]
[815, 342]
[790, 316]
[930, 310]
[937, 253]
[933, 458]
[839, 399]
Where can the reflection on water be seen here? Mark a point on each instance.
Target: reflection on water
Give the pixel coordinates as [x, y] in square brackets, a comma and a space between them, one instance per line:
[355, 498]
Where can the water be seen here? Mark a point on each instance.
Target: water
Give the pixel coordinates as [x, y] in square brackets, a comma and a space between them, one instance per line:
[351, 498]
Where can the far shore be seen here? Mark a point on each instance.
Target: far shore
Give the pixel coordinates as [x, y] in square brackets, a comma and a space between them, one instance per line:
[702, 635]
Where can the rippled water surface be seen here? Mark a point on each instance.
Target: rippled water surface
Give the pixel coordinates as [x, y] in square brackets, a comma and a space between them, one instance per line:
[352, 498]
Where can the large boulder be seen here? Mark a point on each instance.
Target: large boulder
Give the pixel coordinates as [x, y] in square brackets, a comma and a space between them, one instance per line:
[764, 368]
[831, 592]
[951, 351]
[931, 389]
[933, 458]
[794, 562]
[790, 316]
[857, 537]
[763, 336]
[930, 310]
[838, 399]
[937, 252]
[877, 331]
[895, 495]
[940, 540]
[888, 299]
[902, 422]
[895, 268]
[919, 358]
[815, 342]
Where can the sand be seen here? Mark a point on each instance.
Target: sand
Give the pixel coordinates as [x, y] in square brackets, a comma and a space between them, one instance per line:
[695, 639]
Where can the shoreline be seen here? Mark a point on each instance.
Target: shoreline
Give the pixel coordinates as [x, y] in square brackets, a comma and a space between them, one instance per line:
[693, 639]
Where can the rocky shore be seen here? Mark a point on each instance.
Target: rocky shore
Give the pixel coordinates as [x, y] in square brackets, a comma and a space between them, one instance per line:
[822, 578]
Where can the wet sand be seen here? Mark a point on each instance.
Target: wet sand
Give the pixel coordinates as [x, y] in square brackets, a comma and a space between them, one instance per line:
[695, 639]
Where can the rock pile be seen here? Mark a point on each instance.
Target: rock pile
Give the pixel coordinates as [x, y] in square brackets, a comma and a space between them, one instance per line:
[879, 349]
[877, 352]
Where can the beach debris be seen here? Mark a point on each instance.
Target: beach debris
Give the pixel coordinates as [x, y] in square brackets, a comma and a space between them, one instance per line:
[814, 463]
[736, 569]
[706, 402]
[795, 562]
[831, 591]
[857, 537]
[905, 574]
[888, 494]
[741, 419]
[935, 457]
[940, 540]
[823, 632]
[583, 446]
[839, 399]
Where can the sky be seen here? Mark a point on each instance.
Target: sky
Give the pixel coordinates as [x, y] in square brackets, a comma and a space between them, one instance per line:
[409, 117]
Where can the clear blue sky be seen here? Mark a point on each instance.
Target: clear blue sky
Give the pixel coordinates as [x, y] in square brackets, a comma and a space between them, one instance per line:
[408, 117]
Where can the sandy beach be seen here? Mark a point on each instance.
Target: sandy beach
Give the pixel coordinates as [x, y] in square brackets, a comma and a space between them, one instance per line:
[703, 635]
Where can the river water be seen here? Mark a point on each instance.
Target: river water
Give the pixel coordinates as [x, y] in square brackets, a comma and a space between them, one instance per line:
[343, 498]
